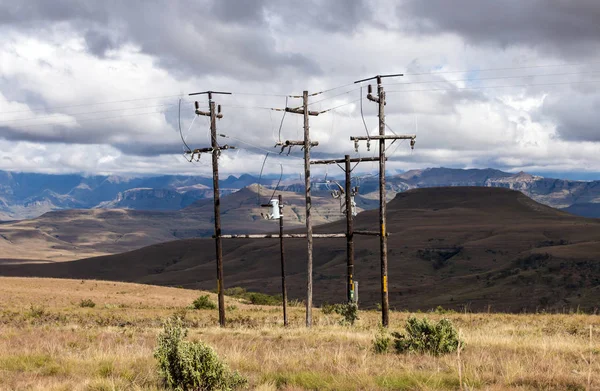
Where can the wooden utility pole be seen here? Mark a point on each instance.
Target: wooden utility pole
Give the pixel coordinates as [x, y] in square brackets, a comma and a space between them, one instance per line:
[216, 151]
[380, 100]
[349, 218]
[283, 286]
[307, 145]
[349, 230]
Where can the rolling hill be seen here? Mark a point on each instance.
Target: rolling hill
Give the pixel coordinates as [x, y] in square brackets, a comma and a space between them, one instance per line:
[73, 234]
[455, 247]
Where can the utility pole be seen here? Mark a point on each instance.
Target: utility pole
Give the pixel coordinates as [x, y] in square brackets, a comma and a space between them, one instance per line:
[307, 145]
[283, 286]
[215, 150]
[350, 232]
[380, 100]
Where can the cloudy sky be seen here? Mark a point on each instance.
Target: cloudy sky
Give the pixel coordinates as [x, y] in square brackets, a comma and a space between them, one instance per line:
[95, 86]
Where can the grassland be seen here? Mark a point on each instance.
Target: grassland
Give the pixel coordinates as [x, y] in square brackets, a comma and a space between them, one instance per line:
[48, 341]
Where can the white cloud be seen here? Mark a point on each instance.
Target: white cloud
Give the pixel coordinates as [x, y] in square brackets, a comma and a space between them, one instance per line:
[58, 73]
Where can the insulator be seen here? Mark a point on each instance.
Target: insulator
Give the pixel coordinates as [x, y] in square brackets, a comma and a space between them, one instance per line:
[370, 89]
[196, 105]
[368, 145]
[412, 143]
[219, 109]
[356, 145]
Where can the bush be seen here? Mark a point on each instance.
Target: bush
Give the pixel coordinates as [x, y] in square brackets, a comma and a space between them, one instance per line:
[256, 298]
[264, 299]
[204, 303]
[348, 311]
[89, 303]
[328, 309]
[381, 343]
[421, 336]
[186, 365]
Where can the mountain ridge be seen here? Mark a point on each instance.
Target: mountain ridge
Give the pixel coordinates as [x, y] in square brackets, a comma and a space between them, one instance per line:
[30, 195]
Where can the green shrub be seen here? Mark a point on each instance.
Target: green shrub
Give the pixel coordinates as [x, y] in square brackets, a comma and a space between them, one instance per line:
[264, 299]
[348, 311]
[421, 336]
[381, 343]
[89, 303]
[186, 365]
[204, 303]
[443, 311]
[328, 309]
[256, 298]
[235, 291]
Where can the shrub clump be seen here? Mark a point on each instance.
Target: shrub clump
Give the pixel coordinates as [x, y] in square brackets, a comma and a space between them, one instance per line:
[422, 336]
[89, 303]
[348, 311]
[186, 365]
[204, 303]
[382, 341]
[256, 298]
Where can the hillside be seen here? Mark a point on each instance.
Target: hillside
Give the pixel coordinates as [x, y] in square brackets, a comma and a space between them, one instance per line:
[456, 246]
[73, 234]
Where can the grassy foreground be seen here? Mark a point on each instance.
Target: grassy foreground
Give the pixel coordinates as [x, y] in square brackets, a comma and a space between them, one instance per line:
[48, 341]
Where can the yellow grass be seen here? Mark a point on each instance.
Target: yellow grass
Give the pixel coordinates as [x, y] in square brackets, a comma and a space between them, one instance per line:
[49, 342]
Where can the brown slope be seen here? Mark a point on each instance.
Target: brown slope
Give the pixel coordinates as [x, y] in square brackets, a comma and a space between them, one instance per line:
[448, 246]
[74, 234]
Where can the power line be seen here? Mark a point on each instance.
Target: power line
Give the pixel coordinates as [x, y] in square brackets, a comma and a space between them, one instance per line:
[492, 87]
[85, 113]
[503, 69]
[89, 104]
[337, 107]
[93, 119]
[492, 78]
[334, 96]
[256, 146]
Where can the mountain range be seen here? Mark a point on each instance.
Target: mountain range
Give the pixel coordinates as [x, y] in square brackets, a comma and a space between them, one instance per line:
[26, 195]
[476, 247]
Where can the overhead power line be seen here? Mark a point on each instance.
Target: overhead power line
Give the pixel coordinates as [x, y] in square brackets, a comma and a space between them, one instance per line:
[503, 69]
[502, 86]
[85, 113]
[40, 108]
[493, 78]
[91, 119]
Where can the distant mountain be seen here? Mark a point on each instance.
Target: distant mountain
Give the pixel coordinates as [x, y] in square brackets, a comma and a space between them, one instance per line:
[25, 195]
[458, 247]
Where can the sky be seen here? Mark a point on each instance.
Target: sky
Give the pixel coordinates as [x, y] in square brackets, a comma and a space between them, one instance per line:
[102, 87]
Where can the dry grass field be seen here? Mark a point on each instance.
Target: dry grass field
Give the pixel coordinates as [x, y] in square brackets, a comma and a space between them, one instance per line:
[49, 342]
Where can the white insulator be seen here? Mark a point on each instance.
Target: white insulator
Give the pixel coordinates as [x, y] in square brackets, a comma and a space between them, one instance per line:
[275, 213]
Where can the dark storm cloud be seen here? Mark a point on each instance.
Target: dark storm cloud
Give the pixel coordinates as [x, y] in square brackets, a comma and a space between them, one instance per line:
[577, 117]
[220, 37]
[557, 27]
